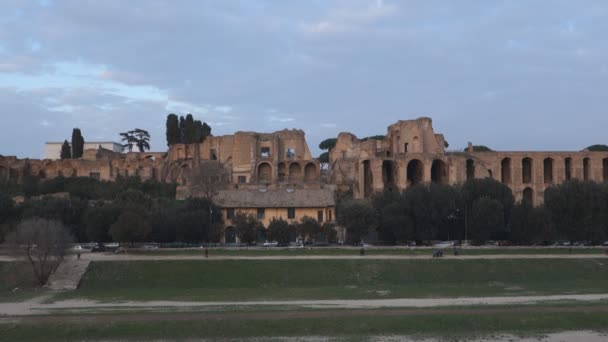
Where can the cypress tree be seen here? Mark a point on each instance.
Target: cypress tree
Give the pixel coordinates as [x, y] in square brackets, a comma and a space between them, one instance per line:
[77, 143]
[182, 129]
[173, 130]
[66, 150]
[189, 130]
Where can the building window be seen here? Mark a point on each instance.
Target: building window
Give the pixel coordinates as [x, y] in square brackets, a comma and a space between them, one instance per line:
[242, 179]
[230, 213]
[265, 152]
[261, 212]
[405, 148]
[320, 216]
[95, 175]
[291, 213]
[291, 153]
[213, 154]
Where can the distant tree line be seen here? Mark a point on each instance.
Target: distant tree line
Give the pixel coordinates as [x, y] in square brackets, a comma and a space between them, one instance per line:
[186, 130]
[478, 210]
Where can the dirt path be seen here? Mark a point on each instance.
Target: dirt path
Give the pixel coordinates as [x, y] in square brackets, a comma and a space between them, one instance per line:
[36, 306]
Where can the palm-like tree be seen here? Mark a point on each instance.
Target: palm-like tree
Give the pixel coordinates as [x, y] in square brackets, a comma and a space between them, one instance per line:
[137, 137]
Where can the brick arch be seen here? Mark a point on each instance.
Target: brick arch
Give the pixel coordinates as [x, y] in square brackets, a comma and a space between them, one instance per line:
[527, 166]
[605, 169]
[505, 170]
[415, 172]
[470, 169]
[586, 168]
[528, 195]
[295, 172]
[264, 172]
[439, 172]
[548, 170]
[310, 172]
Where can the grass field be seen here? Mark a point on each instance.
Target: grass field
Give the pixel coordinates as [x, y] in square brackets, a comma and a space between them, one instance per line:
[16, 282]
[452, 326]
[247, 280]
[274, 251]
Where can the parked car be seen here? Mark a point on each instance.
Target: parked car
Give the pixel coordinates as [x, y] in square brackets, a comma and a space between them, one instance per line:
[271, 244]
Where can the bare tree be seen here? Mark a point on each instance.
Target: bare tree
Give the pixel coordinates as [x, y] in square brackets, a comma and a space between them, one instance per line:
[208, 178]
[43, 242]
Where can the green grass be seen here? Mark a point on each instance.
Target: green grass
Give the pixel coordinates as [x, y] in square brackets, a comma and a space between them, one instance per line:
[453, 326]
[273, 251]
[249, 280]
[17, 282]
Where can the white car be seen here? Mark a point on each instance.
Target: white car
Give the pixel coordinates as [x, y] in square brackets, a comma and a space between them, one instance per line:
[271, 244]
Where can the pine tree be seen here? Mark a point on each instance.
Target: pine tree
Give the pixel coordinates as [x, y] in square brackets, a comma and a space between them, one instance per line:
[77, 143]
[173, 131]
[66, 150]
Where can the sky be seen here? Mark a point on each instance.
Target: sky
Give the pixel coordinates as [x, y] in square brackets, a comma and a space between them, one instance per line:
[512, 75]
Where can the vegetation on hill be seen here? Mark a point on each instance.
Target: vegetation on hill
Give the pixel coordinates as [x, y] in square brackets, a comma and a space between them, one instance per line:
[479, 148]
[597, 148]
[186, 130]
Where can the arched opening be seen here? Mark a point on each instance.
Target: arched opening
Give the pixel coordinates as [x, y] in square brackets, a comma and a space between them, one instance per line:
[548, 170]
[3, 173]
[605, 169]
[282, 172]
[310, 172]
[415, 172]
[368, 179]
[388, 173]
[439, 172]
[295, 172]
[230, 235]
[568, 168]
[264, 173]
[470, 169]
[528, 196]
[505, 170]
[526, 170]
[586, 168]
[261, 235]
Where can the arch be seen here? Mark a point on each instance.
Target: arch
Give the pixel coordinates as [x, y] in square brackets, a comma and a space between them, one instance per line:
[526, 170]
[295, 172]
[505, 170]
[310, 172]
[470, 169]
[368, 179]
[230, 235]
[439, 172]
[586, 168]
[605, 169]
[548, 170]
[528, 196]
[415, 172]
[568, 168]
[3, 173]
[264, 173]
[282, 172]
[388, 172]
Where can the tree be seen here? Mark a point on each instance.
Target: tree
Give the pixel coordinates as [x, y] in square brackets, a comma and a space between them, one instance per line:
[328, 144]
[208, 178]
[189, 130]
[278, 230]
[43, 242]
[66, 150]
[358, 217]
[597, 148]
[246, 227]
[98, 220]
[479, 148]
[173, 132]
[530, 224]
[131, 226]
[324, 158]
[487, 187]
[137, 137]
[487, 215]
[77, 143]
[430, 206]
[308, 228]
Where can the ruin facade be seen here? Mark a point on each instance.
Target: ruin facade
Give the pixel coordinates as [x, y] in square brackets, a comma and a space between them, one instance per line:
[409, 154]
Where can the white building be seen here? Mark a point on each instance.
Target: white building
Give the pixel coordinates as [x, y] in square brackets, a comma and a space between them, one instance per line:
[52, 150]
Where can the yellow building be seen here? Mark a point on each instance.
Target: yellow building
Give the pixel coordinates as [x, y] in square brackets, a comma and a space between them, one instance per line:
[265, 204]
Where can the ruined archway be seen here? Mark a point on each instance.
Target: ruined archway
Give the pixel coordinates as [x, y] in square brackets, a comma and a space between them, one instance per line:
[295, 172]
[586, 168]
[548, 170]
[439, 172]
[368, 179]
[264, 173]
[415, 172]
[528, 196]
[470, 169]
[505, 170]
[568, 168]
[230, 235]
[526, 170]
[282, 172]
[605, 169]
[388, 175]
[310, 172]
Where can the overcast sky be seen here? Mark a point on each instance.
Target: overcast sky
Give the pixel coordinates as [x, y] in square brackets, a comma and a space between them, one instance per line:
[513, 75]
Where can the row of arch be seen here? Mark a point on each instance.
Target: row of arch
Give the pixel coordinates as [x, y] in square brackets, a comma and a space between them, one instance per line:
[293, 173]
[414, 174]
[527, 167]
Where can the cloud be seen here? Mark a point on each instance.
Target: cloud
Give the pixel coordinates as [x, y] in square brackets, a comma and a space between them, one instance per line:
[278, 119]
